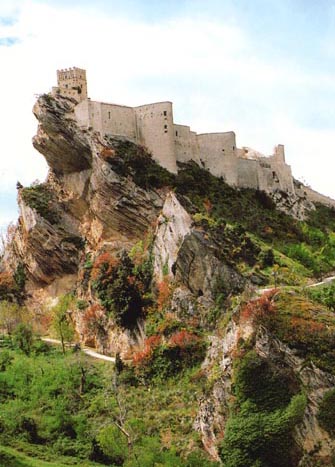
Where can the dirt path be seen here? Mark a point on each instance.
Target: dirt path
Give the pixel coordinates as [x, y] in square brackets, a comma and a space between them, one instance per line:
[87, 351]
[325, 281]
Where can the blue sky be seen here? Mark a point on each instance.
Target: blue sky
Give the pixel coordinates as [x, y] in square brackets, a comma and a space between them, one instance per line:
[263, 68]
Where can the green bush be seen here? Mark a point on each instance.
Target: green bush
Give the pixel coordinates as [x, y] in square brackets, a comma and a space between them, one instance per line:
[40, 198]
[304, 326]
[113, 444]
[131, 159]
[259, 429]
[324, 294]
[255, 438]
[118, 290]
[160, 360]
[326, 414]
[6, 359]
[267, 258]
[265, 386]
[23, 338]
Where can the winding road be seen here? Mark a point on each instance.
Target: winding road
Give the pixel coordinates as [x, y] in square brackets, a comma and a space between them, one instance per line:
[325, 281]
[86, 350]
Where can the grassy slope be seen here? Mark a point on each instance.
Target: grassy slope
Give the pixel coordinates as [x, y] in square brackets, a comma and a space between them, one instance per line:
[10, 457]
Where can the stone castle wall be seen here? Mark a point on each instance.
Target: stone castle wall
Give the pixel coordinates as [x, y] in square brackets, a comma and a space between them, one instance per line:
[218, 154]
[155, 131]
[152, 125]
[186, 145]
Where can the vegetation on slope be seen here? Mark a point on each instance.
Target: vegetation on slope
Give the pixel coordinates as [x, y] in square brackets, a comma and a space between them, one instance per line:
[298, 321]
[259, 429]
[309, 246]
[74, 410]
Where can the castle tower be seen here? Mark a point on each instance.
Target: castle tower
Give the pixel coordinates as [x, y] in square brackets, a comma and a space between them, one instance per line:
[72, 83]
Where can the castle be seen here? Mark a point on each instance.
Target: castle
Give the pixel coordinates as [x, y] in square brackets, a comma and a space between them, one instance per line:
[152, 125]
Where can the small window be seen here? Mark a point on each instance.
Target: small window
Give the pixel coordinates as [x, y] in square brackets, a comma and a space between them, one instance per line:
[165, 127]
[233, 148]
[109, 115]
[176, 133]
[222, 150]
[165, 113]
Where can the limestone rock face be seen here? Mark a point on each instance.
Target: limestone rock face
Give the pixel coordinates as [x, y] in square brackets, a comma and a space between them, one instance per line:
[174, 223]
[97, 209]
[119, 206]
[65, 147]
[201, 269]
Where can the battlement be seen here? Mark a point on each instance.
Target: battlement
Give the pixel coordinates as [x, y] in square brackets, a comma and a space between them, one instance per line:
[72, 83]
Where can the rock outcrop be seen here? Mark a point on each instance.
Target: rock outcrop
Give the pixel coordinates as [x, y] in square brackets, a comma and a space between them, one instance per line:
[311, 445]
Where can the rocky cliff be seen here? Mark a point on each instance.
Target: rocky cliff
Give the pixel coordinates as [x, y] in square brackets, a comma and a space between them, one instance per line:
[156, 259]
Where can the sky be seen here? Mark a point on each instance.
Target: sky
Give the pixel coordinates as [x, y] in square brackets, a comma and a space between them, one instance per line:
[262, 68]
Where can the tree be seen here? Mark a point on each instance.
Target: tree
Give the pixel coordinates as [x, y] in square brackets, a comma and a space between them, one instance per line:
[61, 320]
[117, 288]
[11, 314]
[23, 338]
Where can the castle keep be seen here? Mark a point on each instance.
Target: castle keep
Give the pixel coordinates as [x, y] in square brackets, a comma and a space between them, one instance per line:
[152, 125]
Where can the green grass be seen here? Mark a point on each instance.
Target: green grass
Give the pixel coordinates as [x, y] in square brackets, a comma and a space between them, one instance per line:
[10, 457]
[48, 418]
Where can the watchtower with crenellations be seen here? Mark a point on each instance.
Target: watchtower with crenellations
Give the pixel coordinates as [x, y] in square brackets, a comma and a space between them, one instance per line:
[72, 83]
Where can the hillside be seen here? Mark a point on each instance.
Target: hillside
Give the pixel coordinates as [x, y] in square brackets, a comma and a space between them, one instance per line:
[162, 271]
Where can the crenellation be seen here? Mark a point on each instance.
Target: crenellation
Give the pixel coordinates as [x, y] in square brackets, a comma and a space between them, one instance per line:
[152, 125]
[71, 82]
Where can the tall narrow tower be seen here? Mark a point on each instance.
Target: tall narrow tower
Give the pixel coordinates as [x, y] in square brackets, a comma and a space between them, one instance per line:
[72, 82]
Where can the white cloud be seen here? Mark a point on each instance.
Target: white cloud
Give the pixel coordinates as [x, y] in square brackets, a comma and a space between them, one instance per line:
[210, 70]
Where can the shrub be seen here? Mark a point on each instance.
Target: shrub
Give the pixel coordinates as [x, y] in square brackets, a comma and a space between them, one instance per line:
[298, 322]
[113, 444]
[118, 290]
[268, 258]
[6, 359]
[11, 314]
[164, 293]
[40, 198]
[160, 359]
[268, 388]
[255, 438]
[326, 414]
[324, 295]
[23, 338]
[260, 309]
[131, 159]
[94, 320]
[20, 277]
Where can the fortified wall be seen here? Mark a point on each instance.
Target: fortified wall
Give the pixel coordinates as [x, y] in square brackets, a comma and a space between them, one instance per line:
[152, 125]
